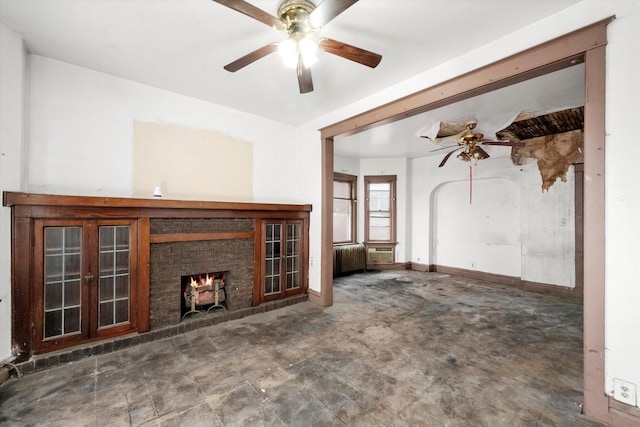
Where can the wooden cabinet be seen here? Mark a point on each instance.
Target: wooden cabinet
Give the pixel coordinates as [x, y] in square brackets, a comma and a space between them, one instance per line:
[85, 280]
[81, 266]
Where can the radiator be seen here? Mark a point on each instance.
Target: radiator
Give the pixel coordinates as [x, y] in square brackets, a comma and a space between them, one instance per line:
[349, 258]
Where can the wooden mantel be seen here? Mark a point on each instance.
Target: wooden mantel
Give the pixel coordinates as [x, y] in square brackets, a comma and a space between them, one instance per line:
[29, 213]
[15, 198]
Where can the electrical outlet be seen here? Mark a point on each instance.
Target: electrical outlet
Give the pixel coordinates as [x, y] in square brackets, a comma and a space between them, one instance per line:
[624, 392]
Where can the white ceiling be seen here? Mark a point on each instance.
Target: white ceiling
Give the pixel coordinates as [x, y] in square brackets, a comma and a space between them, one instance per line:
[182, 45]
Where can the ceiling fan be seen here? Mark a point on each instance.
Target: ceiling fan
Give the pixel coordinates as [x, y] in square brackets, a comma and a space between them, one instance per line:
[468, 141]
[299, 19]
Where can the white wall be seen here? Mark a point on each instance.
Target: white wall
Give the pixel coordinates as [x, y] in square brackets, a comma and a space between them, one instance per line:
[541, 240]
[81, 132]
[12, 153]
[622, 202]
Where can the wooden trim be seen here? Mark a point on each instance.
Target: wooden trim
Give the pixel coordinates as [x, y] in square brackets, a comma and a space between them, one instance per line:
[394, 266]
[326, 228]
[193, 237]
[315, 297]
[144, 266]
[588, 44]
[14, 198]
[425, 268]
[392, 180]
[622, 415]
[353, 181]
[596, 402]
[511, 281]
[21, 288]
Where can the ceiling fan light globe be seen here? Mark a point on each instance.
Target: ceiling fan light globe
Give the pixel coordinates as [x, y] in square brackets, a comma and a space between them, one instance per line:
[308, 50]
[288, 51]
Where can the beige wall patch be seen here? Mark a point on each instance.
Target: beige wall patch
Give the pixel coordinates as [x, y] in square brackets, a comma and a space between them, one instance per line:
[191, 164]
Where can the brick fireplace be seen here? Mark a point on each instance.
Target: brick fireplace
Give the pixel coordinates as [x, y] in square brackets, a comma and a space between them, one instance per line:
[171, 260]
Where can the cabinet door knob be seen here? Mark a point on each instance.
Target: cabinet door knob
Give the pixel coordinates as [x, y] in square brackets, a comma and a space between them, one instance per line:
[88, 277]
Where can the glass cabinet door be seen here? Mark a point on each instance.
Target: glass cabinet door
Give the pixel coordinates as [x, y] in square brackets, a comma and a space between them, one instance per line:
[113, 283]
[62, 281]
[282, 258]
[87, 280]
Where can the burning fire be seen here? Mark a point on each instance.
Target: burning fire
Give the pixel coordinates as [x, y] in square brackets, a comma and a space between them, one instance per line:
[202, 288]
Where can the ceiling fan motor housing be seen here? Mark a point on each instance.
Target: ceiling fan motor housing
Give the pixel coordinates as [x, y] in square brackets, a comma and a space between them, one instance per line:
[295, 15]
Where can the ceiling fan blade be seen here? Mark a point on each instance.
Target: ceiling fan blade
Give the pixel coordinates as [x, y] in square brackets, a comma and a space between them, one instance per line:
[253, 12]
[304, 77]
[251, 57]
[447, 157]
[484, 154]
[327, 10]
[505, 143]
[443, 148]
[349, 52]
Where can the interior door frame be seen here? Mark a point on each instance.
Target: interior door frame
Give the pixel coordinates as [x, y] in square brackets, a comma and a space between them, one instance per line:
[587, 45]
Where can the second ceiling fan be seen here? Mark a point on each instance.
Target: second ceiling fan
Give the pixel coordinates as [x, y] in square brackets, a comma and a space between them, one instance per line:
[299, 19]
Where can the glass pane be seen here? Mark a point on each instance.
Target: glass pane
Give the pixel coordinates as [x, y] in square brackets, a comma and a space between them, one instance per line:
[106, 263]
[72, 239]
[72, 267]
[269, 252]
[276, 250]
[379, 221]
[53, 266]
[122, 287]
[52, 323]
[106, 313]
[122, 310]
[53, 240]
[106, 288]
[380, 233]
[106, 239]
[52, 295]
[72, 320]
[122, 262]
[122, 237]
[276, 285]
[342, 189]
[71, 293]
[292, 232]
[276, 268]
[269, 232]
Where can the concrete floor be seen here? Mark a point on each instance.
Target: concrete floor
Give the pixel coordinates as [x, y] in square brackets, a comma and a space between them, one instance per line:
[396, 349]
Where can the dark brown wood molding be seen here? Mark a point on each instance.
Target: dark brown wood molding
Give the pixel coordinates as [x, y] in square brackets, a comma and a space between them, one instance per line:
[15, 198]
[193, 237]
[511, 281]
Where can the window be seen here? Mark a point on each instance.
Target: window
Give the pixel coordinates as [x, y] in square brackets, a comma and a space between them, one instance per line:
[380, 207]
[344, 208]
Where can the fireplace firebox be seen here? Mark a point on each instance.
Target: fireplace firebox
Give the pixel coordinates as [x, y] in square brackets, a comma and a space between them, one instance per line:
[202, 293]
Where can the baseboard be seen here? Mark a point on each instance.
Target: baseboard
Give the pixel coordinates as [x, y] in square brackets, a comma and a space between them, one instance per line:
[396, 266]
[516, 282]
[425, 268]
[623, 415]
[315, 297]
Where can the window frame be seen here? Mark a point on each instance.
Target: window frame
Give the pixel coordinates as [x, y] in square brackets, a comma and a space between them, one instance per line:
[352, 180]
[377, 179]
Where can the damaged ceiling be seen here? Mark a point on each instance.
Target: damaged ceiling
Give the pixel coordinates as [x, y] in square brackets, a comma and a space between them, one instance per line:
[554, 140]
